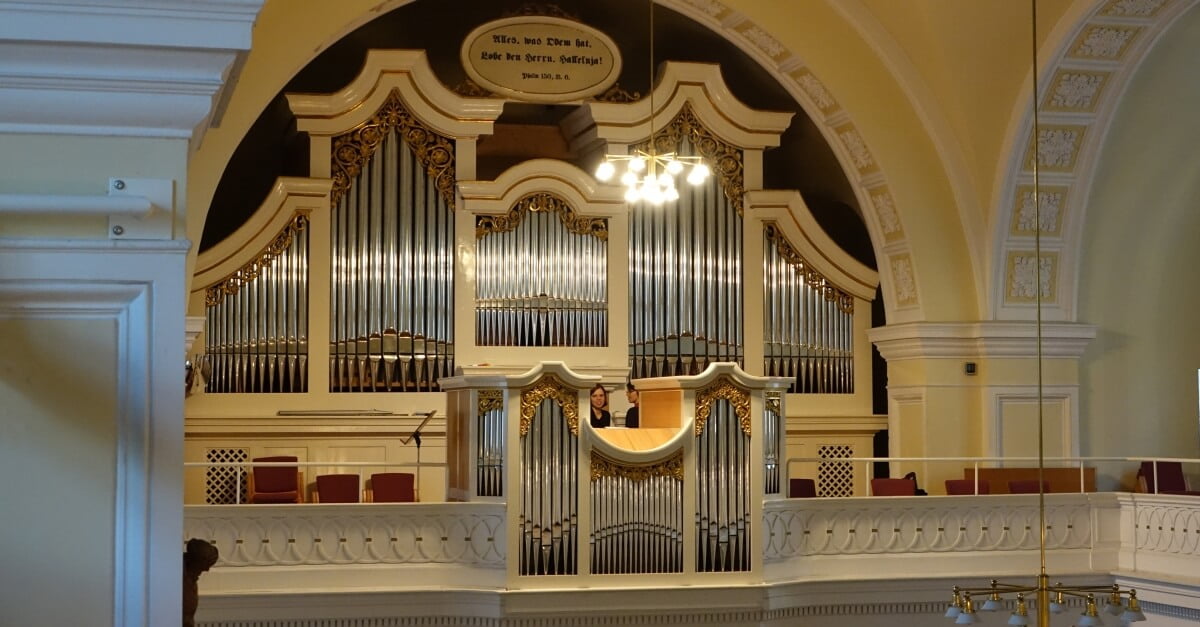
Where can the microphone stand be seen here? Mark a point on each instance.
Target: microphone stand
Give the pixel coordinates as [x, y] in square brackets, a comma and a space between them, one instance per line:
[416, 438]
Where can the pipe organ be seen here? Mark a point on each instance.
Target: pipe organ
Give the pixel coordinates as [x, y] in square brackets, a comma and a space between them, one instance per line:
[687, 502]
[393, 271]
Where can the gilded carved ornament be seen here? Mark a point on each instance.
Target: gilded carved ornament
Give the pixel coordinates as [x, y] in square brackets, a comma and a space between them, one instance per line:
[490, 400]
[549, 387]
[230, 285]
[774, 404]
[542, 201]
[724, 159]
[352, 150]
[774, 234]
[725, 389]
[603, 467]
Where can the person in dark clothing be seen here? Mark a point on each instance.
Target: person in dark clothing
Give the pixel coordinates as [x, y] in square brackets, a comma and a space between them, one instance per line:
[631, 417]
[600, 416]
[198, 557]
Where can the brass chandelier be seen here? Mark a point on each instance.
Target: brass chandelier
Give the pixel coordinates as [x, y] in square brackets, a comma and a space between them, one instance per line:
[647, 174]
[1050, 599]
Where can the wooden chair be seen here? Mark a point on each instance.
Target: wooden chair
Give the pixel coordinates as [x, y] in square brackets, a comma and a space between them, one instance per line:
[337, 489]
[1164, 478]
[967, 486]
[802, 488]
[392, 487]
[893, 487]
[275, 484]
[1027, 486]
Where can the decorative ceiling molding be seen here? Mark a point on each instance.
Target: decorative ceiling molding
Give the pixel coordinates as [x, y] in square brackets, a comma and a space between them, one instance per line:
[154, 68]
[1090, 66]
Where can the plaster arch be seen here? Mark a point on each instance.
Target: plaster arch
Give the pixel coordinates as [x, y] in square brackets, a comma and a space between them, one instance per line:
[1091, 58]
[907, 218]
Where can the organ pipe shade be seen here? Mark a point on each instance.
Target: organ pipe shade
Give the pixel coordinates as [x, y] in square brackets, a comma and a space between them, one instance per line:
[256, 321]
[559, 296]
[392, 264]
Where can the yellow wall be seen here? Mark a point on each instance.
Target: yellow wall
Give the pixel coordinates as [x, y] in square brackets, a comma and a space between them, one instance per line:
[58, 445]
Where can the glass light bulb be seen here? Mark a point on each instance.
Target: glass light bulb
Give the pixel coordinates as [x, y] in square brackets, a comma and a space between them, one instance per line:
[605, 171]
[632, 195]
[674, 166]
[637, 164]
[698, 174]
[629, 179]
[671, 194]
[665, 180]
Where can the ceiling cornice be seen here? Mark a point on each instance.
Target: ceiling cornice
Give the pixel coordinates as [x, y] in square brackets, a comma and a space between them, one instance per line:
[154, 68]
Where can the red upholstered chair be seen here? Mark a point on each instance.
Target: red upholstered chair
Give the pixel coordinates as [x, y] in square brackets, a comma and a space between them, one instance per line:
[1027, 486]
[1164, 478]
[392, 487]
[893, 487]
[967, 486]
[802, 488]
[337, 489]
[275, 484]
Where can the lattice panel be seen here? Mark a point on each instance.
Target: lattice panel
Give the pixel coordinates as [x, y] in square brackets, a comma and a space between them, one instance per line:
[835, 478]
[225, 484]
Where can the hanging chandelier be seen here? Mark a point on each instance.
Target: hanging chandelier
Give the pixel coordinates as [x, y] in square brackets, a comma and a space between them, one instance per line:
[1050, 599]
[647, 174]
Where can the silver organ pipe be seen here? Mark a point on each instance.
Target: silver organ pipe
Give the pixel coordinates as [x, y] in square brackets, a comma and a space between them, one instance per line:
[541, 276]
[685, 264]
[489, 444]
[392, 239]
[256, 320]
[549, 491]
[637, 516]
[808, 325]
[723, 542]
[774, 430]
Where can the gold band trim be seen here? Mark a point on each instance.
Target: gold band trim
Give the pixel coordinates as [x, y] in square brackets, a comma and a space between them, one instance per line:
[549, 387]
[215, 294]
[353, 149]
[542, 201]
[490, 400]
[605, 467]
[829, 291]
[724, 388]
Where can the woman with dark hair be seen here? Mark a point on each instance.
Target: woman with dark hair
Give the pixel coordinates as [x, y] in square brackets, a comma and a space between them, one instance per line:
[600, 416]
[631, 417]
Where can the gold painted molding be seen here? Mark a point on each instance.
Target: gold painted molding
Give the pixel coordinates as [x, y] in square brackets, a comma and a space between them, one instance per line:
[549, 387]
[603, 467]
[723, 388]
[542, 201]
[832, 293]
[230, 285]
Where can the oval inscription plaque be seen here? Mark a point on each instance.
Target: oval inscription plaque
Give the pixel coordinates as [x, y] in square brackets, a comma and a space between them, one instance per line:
[541, 58]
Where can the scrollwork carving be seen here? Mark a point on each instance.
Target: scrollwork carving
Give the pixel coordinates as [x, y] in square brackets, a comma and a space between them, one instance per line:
[542, 201]
[549, 387]
[671, 467]
[230, 285]
[829, 291]
[724, 159]
[725, 389]
[490, 400]
[618, 94]
[352, 150]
